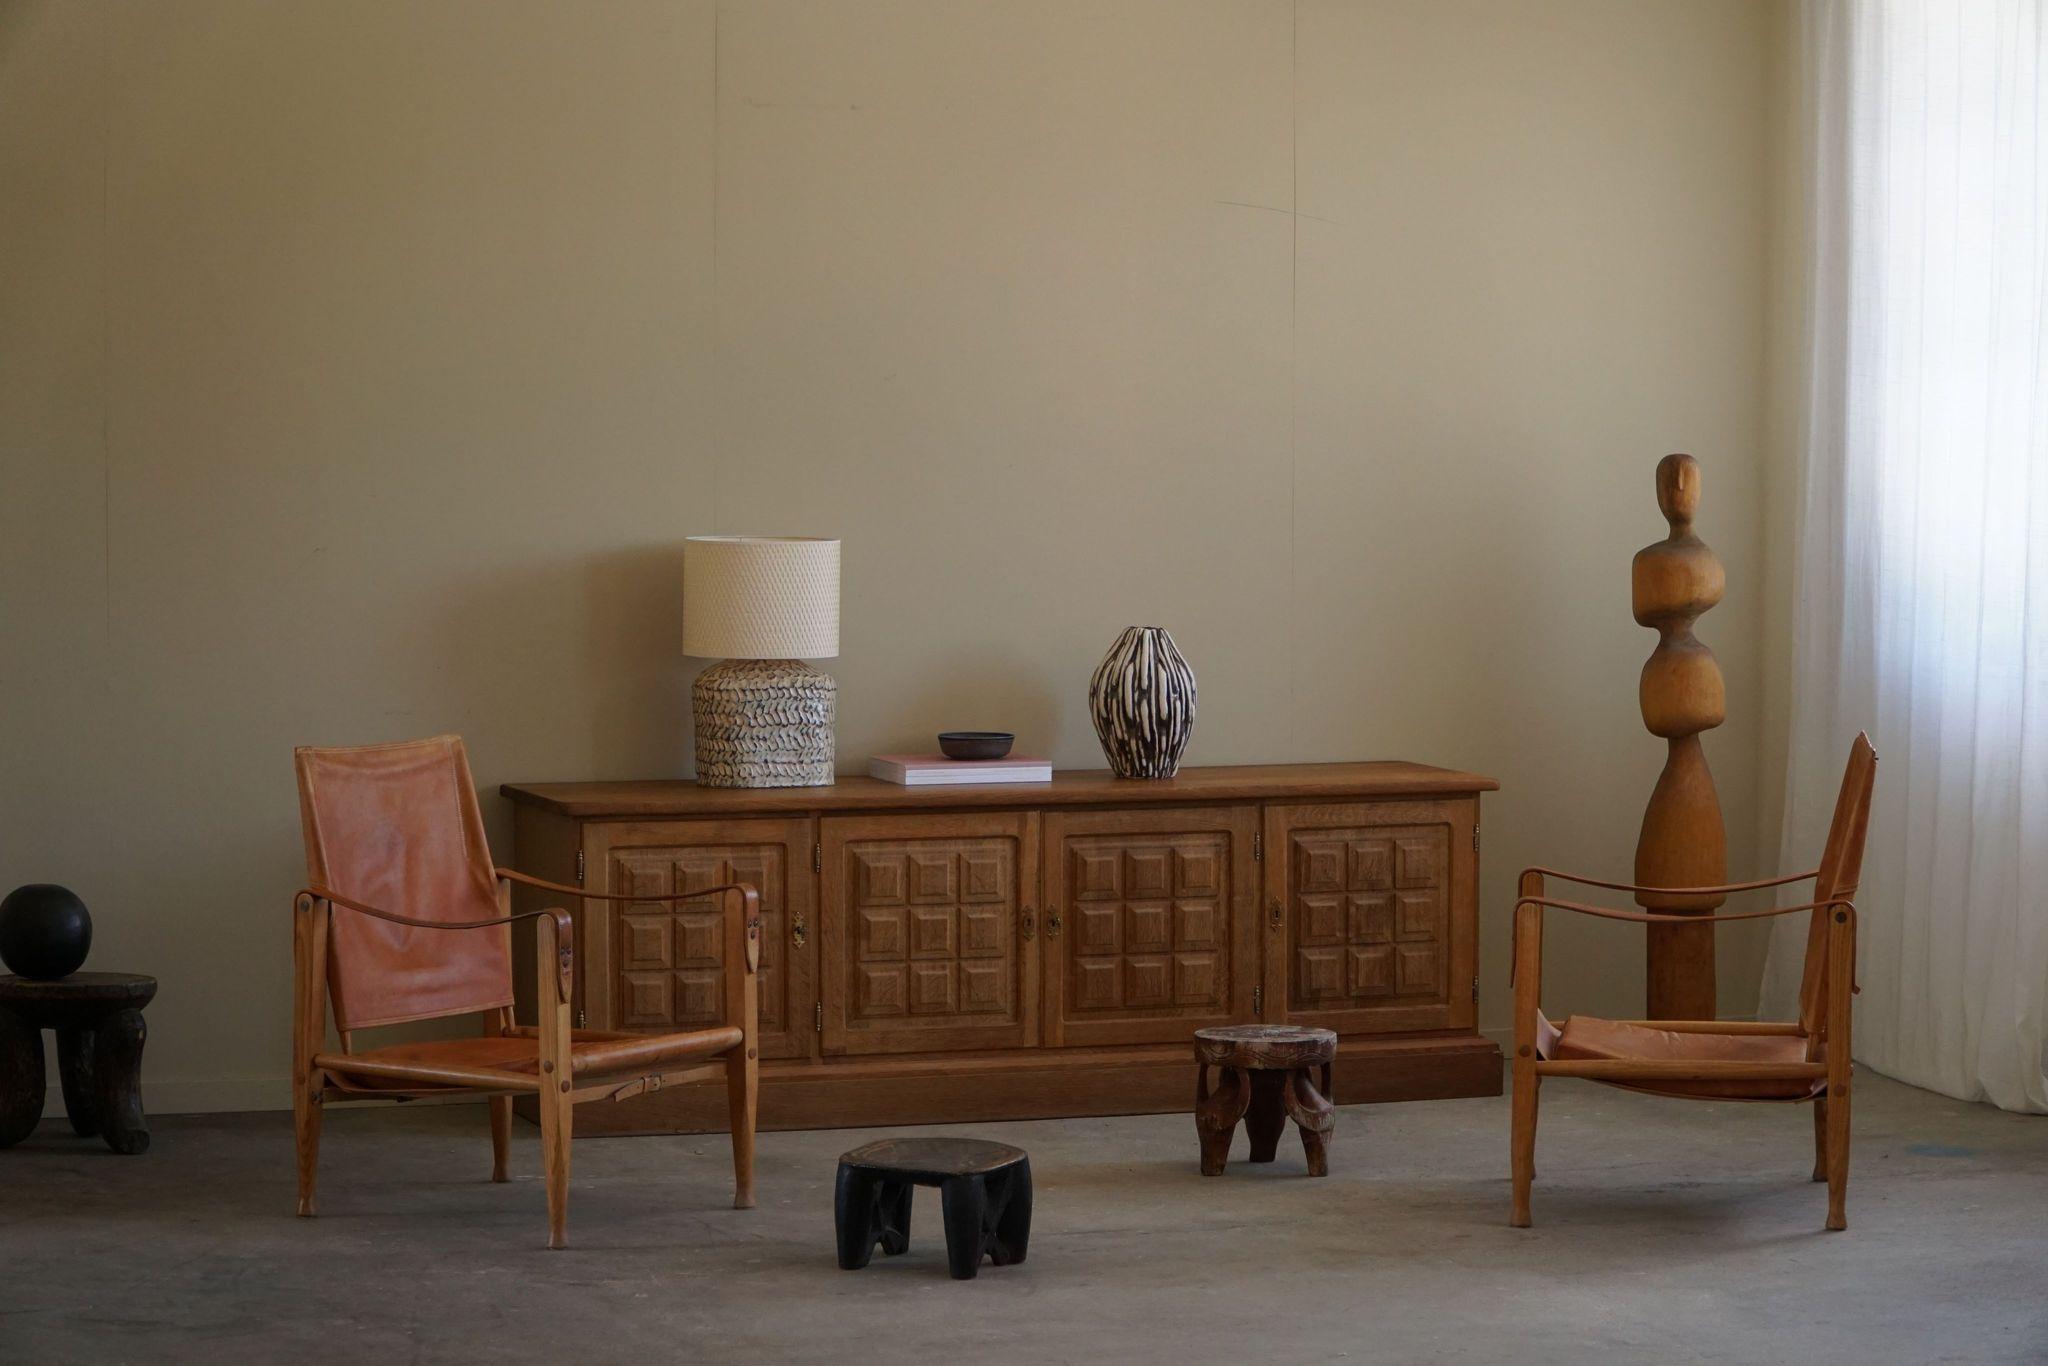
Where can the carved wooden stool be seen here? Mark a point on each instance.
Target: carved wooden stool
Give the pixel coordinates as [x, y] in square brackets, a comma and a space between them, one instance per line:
[98, 1019]
[1267, 1078]
[984, 1193]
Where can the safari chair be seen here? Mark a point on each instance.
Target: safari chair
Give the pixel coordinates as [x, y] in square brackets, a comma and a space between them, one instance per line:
[405, 919]
[1797, 1061]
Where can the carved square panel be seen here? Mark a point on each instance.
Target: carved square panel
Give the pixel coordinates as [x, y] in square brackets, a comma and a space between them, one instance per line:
[1416, 862]
[1197, 872]
[1372, 971]
[1319, 973]
[1148, 928]
[1196, 925]
[1372, 918]
[931, 879]
[982, 875]
[1147, 872]
[1147, 980]
[931, 932]
[984, 988]
[880, 990]
[1372, 865]
[1095, 928]
[1094, 874]
[639, 873]
[879, 878]
[644, 999]
[1096, 983]
[984, 931]
[932, 989]
[1196, 980]
[1420, 969]
[880, 933]
[699, 1000]
[695, 870]
[1321, 920]
[1420, 914]
[760, 867]
[1320, 864]
[644, 940]
[700, 935]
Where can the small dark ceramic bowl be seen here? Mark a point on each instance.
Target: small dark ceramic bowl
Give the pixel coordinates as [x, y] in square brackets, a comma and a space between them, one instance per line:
[976, 744]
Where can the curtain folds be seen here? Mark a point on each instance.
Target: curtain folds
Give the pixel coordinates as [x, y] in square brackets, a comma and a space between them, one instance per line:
[1922, 579]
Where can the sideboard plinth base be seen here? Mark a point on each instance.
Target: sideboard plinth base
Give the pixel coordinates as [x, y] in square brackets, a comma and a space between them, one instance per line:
[1153, 1079]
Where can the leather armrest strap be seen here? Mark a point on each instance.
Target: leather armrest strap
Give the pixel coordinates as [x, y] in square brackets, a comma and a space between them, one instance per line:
[565, 936]
[1560, 874]
[1657, 918]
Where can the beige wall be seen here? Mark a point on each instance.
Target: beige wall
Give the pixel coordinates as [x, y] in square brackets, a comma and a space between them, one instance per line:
[362, 366]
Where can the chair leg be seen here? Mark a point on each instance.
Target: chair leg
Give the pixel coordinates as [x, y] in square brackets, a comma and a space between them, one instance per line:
[557, 1125]
[743, 1095]
[501, 1136]
[1820, 1138]
[306, 1134]
[1523, 1157]
[1838, 1158]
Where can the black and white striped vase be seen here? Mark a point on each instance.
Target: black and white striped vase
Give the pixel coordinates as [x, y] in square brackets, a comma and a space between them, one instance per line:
[1143, 700]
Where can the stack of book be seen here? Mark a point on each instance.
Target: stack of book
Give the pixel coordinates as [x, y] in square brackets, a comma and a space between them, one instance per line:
[936, 770]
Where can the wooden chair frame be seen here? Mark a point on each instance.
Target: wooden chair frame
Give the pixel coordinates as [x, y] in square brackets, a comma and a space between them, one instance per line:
[1830, 1100]
[555, 1087]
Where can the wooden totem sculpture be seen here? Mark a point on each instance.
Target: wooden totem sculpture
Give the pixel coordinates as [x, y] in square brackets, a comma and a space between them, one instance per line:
[1683, 843]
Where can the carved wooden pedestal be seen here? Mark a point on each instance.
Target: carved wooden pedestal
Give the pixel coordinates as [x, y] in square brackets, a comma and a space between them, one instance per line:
[984, 1196]
[98, 1019]
[1683, 843]
[1268, 1076]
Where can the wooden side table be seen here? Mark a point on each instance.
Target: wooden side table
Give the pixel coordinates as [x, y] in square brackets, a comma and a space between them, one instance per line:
[1268, 1075]
[98, 1019]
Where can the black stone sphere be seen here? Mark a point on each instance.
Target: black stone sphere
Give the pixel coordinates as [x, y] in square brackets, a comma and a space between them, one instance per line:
[45, 931]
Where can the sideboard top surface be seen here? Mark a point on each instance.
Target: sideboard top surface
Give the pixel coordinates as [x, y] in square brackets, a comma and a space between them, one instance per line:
[657, 798]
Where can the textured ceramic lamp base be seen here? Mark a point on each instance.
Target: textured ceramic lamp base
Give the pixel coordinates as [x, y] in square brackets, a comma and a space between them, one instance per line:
[764, 723]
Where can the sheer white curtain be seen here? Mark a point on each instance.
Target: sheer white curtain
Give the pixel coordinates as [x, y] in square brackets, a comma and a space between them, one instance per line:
[1922, 609]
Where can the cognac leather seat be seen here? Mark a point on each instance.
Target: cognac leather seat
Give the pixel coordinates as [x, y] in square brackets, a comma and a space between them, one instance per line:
[1587, 1036]
[591, 1056]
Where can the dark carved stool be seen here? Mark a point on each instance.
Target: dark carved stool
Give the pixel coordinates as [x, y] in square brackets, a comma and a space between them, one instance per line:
[1267, 1077]
[984, 1192]
[98, 1019]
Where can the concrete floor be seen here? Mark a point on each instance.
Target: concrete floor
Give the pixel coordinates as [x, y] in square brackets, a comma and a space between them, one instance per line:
[1665, 1231]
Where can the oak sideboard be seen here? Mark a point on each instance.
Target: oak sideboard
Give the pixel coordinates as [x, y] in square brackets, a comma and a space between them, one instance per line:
[937, 954]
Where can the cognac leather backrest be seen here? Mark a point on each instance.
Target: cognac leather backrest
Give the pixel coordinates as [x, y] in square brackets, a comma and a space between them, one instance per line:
[1841, 868]
[397, 827]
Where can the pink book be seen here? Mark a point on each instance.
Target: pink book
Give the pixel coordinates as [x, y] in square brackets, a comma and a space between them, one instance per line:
[934, 770]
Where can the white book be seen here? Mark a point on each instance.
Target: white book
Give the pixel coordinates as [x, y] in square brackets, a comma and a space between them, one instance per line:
[936, 770]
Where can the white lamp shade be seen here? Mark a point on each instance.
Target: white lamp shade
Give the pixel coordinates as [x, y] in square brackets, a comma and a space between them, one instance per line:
[760, 597]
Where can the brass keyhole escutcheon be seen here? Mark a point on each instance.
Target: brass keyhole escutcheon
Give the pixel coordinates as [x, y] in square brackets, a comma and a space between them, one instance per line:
[1052, 926]
[798, 933]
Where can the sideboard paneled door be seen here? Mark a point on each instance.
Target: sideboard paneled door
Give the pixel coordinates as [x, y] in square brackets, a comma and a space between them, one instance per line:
[1360, 935]
[1151, 924]
[931, 934]
[653, 965]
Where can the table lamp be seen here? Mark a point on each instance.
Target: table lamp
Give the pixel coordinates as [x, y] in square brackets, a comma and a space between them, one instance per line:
[762, 605]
